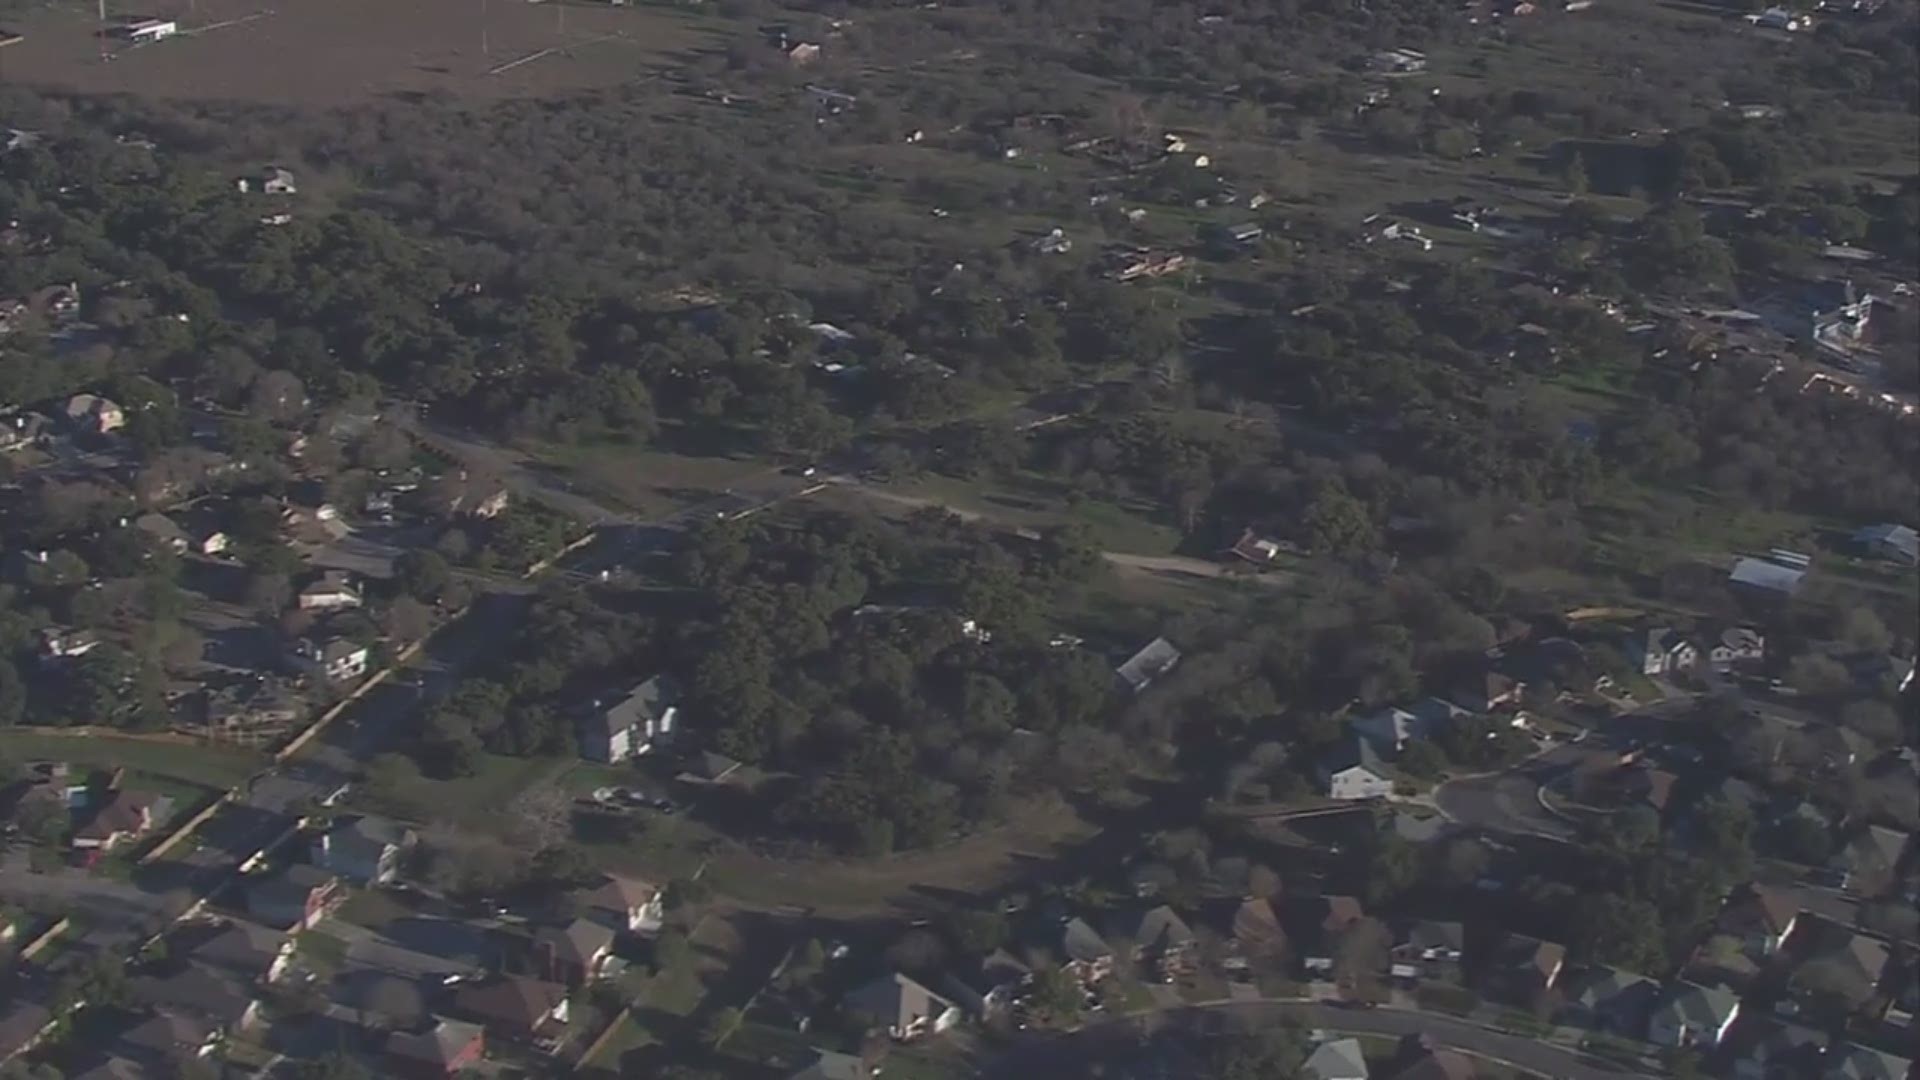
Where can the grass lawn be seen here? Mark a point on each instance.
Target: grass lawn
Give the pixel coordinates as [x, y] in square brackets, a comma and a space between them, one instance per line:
[475, 801]
[1037, 503]
[202, 767]
[929, 1059]
[648, 481]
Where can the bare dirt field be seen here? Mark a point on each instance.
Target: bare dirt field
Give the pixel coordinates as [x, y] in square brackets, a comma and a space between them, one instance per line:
[326, 52]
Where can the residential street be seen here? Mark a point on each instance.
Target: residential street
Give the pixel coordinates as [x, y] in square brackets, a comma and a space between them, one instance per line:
[1062, 1055]
[1509, 802]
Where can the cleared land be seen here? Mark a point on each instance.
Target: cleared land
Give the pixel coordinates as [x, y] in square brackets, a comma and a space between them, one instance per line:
[309, 52]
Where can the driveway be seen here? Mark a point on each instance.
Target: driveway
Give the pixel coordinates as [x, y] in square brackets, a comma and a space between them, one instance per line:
[1068, 1055]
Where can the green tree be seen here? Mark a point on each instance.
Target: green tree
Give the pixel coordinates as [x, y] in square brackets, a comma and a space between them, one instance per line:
[1339, 524]
[422, 573]
[1056, 999]
[1275, 1052]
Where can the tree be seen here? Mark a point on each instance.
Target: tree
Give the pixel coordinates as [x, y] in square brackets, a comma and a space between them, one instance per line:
[1423, 760]
[422, 573]
[720, 1026]
[1575, 175]
[1275, 1052]
[1621, 931]
[1392, 867]
[1864, 631]
[1057, 998]
[1874, 720]
[1818, 676]
[1339, 524]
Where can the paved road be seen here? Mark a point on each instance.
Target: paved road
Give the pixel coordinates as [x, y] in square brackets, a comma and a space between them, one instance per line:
[1069, 1055]
[1509, 802]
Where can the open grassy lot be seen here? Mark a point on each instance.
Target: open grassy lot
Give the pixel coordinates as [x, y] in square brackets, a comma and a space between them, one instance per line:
[352, 50]
[203, 767]
[655, 483]
[474, 802]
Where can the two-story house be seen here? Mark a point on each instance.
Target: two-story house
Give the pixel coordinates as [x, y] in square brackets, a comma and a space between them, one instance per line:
[334, 659]
[633, 725]
[122, 817]
[1351, 770]
[1161, 939]
[572, 954]
[1661, 650]
[365, 850]
[626, 904]
[296, 898]
[437, 1050]
[903, 1007]
[331, 591]
[1688, 1014]
[517, 1008]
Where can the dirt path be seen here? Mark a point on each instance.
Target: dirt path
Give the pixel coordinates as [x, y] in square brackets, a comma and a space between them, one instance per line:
[1181, 565]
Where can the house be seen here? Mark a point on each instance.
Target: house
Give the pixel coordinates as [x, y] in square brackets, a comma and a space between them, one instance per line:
[1769, 1049]
[1337, 1059]
[161, 532]
[22, 431]
[1842, 966]
[1487, 691]
[297, 898]
[1153, 661]
[1872, 855]
[258, 706]
[1760, 917]
[122, 817]
[334, 659]
[803, 53]
[1608, 999]
[94, 415]
[1428, 949]
[633, 725]
[1688, 1014]
[273, 180]
[574, 953]
[1522, 967]
[707, 767]
[207, 539]
[1419, 1060]
[1161, 938]
[58, 644]
[833, 1065]
[1890, 543]
[1390, 730]
[1735, 647]
[111, 1068]
[192, 990]
[1662, 651]
[364, 850]
[1856, 1062]
[902, 1006]
[628, 904]
[1351, 770]
[1255, 936]
[253, 952]
[990, 989]
[1766, 577]
[147, 31]
[22, 1023]
[332, 591]
[1398, 62]
[516, 1007]
[167, 1040]
[1315, 924]
[1256, 549]
[1082, 952]
[443, 1048]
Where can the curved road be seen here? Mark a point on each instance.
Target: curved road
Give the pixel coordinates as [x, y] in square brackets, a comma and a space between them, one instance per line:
[1066, 1055]
[1509, 802]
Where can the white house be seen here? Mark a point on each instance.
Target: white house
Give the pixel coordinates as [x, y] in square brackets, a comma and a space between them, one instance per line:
[1353, 771]
[336, 659]
[633, 725]
[1663, 651]
[333, 591]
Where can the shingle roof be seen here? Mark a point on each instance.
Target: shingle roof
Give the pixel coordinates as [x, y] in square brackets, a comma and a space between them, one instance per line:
[620, 894]
[1255, 926]
[240, 945]
[1080, 941]
[1702, 1007]
[196, 989]
[439, 1044]
[896, 999]
[1153, 928]
[1856, 1062]
[512, 999]
[1340, 1059]
[832, 1065]
[1154, 659]
[576, 943]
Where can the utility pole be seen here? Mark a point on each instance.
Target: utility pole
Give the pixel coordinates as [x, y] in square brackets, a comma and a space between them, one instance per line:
[484, 49]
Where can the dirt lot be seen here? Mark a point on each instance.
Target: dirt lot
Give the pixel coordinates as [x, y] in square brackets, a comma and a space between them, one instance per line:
[325, 52]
